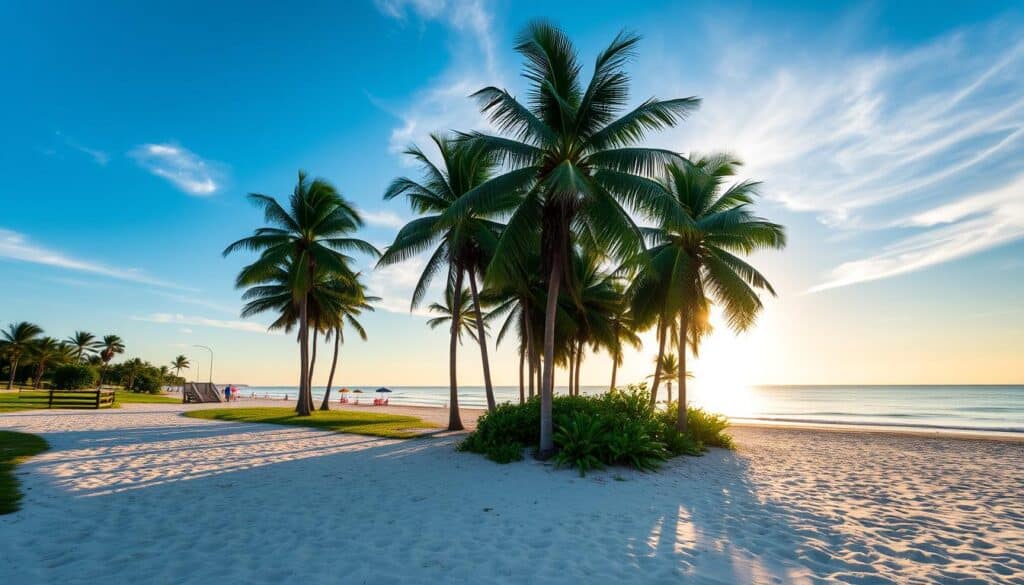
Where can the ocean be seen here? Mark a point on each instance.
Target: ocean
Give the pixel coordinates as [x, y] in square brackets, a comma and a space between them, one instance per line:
[962, 408]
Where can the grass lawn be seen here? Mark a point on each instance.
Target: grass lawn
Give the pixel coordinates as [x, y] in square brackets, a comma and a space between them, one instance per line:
[15, 448]
[9, 401]
[340, 421]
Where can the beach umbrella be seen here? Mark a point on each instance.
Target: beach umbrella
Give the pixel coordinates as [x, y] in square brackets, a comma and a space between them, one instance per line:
[344, 390]
[383, 390]
[357, 391]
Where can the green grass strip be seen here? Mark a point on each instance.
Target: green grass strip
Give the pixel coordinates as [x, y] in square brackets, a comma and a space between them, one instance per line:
[340, 421]
[14, 449]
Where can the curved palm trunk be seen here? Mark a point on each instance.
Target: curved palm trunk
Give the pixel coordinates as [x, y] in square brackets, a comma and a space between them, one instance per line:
[669, 382]
[312, 366]
[662, 333]
[615, 370]
[531, 351]
[14, 367]
[579, 363]
[522, 362]
[681, 414]
[326, 404]
[547, 437]
[482, 336]
[302, 405]
[454, 418]
[39, 375]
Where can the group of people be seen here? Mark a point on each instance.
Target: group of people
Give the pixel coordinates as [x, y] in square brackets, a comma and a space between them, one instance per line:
[230, 393]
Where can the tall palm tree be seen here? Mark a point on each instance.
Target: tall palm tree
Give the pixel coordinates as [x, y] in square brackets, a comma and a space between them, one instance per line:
[178, 364]
[668, 366]
[462, 243]
[43, 351]
[16, 341]
[623, 334]
[695, 253]
[304, 241]
[83, 344]
[112, 345]
[349, 302]
[577, 162]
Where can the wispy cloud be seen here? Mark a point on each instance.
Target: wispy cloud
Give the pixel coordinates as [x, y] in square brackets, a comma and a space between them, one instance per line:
[182, 167]
[383, 218]
[16, 246]
[395, 284]
[98, 156]
[918, 149]
[179, 319]
[444, 104]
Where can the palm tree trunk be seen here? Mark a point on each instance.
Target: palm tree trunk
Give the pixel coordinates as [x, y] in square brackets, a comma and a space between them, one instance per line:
[326, 404]
[547, 437]
[39, 375]
[571, 369]
[669, 381]
[662, 332]
[302, 406]
[681, 415]
[312, 362]
[14, 366]
[531, 350]
[615, 370]
[482, 336]
[454, 418]
[579, 364]
[522, 363]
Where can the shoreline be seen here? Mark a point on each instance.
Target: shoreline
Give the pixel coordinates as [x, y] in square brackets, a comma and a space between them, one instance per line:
[439, 415]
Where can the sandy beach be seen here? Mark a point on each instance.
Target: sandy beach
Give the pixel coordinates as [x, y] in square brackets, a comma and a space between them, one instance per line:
[142, 494]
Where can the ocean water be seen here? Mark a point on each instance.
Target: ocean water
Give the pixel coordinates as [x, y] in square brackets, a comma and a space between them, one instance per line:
[966, 408]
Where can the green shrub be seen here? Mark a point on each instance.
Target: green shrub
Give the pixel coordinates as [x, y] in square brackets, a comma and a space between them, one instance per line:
[615, 428]
[633, 445]
[147, 381]
[580, 442]
[74, 377]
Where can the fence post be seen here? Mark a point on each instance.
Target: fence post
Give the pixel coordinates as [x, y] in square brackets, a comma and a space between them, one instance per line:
[49, 403]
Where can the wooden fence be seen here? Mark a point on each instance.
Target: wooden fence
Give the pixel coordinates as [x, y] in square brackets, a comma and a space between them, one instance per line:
[68, 398]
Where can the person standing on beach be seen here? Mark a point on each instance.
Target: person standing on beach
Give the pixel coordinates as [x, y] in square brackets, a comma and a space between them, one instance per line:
[227, 393]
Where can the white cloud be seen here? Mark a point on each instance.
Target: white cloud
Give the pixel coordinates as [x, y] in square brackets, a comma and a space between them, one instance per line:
[180, 166]
[179, 319]
[15, 246]
[383, 218]
[444, 104]
[395, 285]
[879, 145]
[98, 156]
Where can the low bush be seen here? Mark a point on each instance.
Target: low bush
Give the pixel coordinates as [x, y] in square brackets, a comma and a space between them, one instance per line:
[75, 377]
[616, 428]
[147, 381]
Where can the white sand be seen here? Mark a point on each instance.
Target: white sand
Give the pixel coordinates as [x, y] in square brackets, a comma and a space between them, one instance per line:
[143, 495]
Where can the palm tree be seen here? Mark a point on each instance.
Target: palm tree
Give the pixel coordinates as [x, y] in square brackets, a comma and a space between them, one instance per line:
[668, 367]
[43, 351]
[83, 344]
[465, 316]
[178, 364]
[577, 164]
[694, 253]
[301, 244]
[16, 341]
[623, 334]
[112, 345]
[462, 243]
[349, 303]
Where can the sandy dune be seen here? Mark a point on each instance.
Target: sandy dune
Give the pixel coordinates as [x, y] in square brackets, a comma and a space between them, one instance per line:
[144, 495]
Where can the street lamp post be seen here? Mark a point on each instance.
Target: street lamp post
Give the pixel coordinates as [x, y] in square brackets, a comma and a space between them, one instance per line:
[211, 362]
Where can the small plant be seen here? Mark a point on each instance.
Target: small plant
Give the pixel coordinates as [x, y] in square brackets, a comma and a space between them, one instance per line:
[74, 377]
[632, 445]
[578, 438]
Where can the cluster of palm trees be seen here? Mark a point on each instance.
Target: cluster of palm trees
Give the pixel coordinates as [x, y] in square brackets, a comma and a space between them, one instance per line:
[24, 342]
[547, 215]
[563, 224]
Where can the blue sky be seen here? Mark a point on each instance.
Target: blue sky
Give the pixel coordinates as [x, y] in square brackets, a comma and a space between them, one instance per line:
[889, 139]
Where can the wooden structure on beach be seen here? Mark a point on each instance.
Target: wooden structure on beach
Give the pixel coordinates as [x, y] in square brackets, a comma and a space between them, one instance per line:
[195, 392]
[68, 398]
